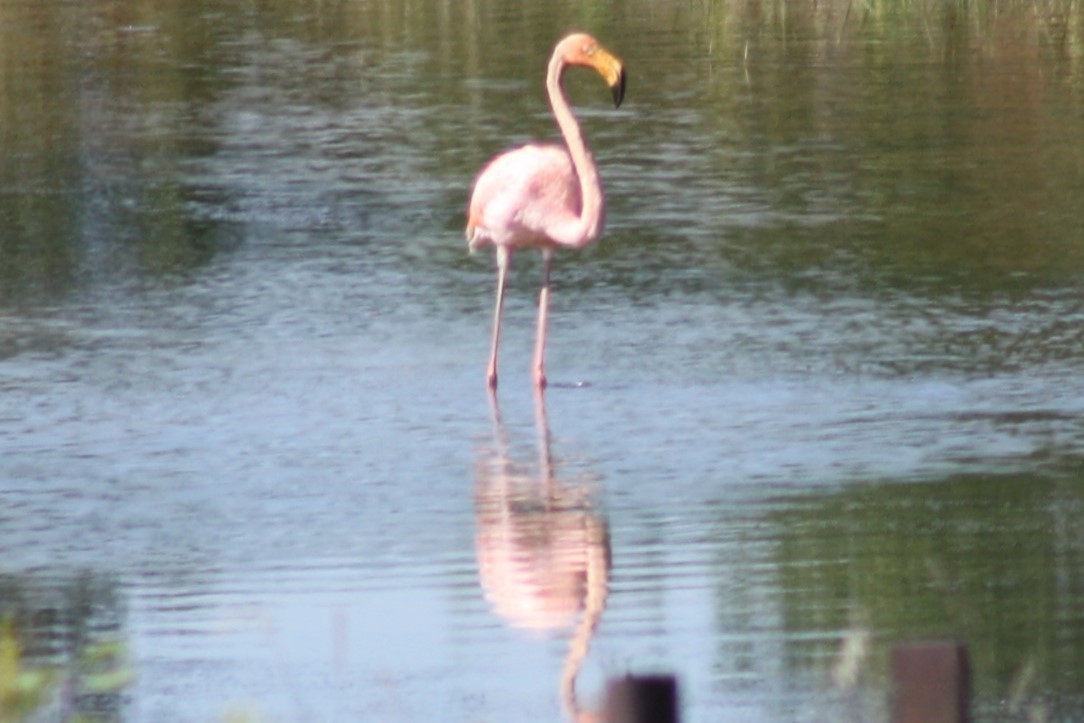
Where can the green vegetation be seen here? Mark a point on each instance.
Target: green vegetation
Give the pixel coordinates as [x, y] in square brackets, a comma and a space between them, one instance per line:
[101, 669]
[22, 688]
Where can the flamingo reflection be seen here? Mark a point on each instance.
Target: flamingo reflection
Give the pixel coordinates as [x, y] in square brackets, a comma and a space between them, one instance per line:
[543, 548]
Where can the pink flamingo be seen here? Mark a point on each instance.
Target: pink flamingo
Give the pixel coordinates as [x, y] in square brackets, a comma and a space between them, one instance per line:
[545, 196]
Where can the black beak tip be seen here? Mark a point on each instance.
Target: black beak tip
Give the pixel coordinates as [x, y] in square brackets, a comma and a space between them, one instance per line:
[619, 90]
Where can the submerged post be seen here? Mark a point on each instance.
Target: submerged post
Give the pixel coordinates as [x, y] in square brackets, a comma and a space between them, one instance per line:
[931, 683]
[642, 699]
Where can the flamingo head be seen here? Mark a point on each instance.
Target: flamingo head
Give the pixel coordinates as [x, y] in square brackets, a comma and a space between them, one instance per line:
[582, 49]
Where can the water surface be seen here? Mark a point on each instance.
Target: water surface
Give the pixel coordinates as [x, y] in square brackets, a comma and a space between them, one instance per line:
[817, 391]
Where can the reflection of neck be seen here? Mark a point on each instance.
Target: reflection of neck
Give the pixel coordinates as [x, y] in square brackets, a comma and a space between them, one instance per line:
[598, 577]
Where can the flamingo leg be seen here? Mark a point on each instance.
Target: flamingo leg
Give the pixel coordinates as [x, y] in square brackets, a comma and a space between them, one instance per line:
[503, 259]
[543, 315]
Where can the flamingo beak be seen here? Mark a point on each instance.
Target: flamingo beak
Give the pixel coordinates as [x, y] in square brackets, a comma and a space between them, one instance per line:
[618, 89]
[612, 71]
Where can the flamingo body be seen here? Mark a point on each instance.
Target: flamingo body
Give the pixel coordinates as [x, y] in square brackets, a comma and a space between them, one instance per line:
[526, 197]
[545, 196]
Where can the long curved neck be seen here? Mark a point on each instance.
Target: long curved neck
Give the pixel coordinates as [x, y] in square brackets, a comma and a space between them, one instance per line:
[593, 205]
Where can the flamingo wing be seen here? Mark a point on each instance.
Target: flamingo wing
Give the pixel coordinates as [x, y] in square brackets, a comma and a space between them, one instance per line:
[525, 197]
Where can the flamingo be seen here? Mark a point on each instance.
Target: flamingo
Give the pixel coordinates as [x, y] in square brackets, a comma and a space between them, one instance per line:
[544, 196]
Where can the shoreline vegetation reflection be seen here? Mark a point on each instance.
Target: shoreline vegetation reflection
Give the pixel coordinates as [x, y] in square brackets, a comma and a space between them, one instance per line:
[98, 141]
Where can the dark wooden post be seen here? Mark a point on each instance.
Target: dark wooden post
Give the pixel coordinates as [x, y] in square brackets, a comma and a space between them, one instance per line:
[642, 699]
[931, 683]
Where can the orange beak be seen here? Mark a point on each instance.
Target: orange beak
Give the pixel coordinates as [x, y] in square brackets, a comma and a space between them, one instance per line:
[612, 71]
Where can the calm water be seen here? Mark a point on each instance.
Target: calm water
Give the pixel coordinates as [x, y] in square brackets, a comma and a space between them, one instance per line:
[820, 388]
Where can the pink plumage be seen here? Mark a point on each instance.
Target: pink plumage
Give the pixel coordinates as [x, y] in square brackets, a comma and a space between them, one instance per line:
[523, 196]
[544, 196]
